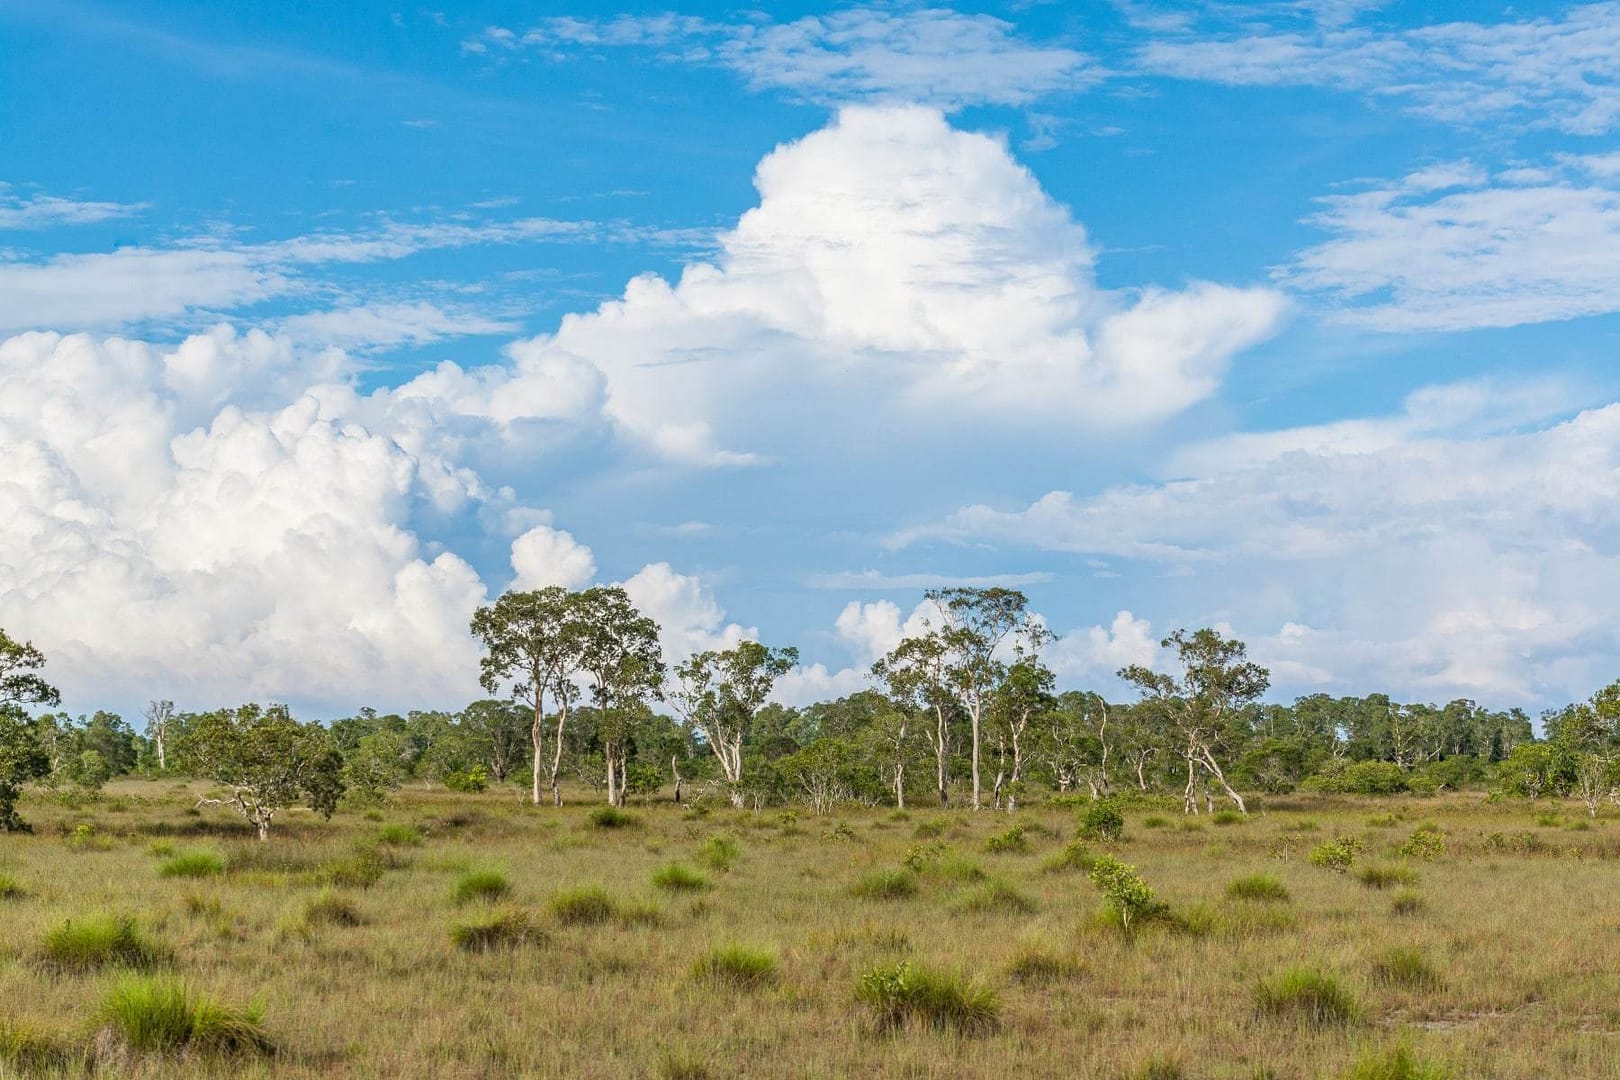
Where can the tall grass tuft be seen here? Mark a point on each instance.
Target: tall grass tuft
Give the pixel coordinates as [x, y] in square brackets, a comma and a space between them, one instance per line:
[100, 941]
[11, 888]
[1308, 995]
[193, 864]
[163, 1016]
[1397, 1064]
[34, 1051]
[1386, 875]
[583, 905]
[1037, 964]
[397, 835]
[678, 877]
[902, 996]
[996, 898]
[737, 965]
[886, 884]
[480, 885]
[611, 817]
[1074, 855]
[502, 928]
[719, 853]
[1260, 887]
[1405, 968]
[1406, 902]
[329, 908]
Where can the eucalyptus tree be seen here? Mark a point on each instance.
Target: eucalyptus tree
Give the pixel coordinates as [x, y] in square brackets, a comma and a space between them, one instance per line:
[916, 676]
[975, 624]
[719, 693]
[22, 755]
[532, 643]
[620, 652]
[1025, 694]
[1075, 742]
[159, 719]
[1216, 681]
[266, 761]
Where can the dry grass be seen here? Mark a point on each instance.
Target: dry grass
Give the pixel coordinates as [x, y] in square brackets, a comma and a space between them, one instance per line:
[1521, 940]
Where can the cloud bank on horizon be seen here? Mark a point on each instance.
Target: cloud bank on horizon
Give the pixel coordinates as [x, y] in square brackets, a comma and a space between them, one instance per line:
[1373, 428]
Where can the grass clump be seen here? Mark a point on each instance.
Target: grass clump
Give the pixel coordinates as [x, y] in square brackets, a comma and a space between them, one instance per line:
[902, 996]
[1406, 902]
[100, 941]
[996, 898]
[330, 908]
[719, 853]
[1155, 821]
[361, 870]
[737, 965]
[397, 835]
[1227, 817]
[501, 928]
[584, 905]
[1386, 875]
[1074, 855]
[886, 884]
[1261, 887]
[11, 888]
[611, 817]
[193, 864]
[161, 1016]
[1397, 1064]
[34, 1051]
[1014, 841]
[678, 877]
[480, 885]
[1308, 995]
[1035, 964]
[1406, 968]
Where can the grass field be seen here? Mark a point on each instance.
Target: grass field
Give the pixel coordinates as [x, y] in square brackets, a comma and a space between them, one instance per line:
[474, 936]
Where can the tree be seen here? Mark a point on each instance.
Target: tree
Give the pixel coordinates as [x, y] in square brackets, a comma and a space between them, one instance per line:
[159, 718]
[1075, 742]
[1216, 681]
[531, 640]
[720, 693]
[499, 732]
[915, 676]
[1024, 694]
[20, 681]
[22, 754]
[619, 649]
[266, 759]
[975, 624]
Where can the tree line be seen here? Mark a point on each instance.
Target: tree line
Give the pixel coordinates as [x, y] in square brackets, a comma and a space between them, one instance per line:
[964, 711]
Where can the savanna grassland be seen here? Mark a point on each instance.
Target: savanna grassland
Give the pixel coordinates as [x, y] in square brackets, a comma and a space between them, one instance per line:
[453, 935]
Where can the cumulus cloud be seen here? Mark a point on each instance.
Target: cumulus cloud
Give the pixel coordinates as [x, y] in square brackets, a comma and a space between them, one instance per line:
[1477, 560]
[545, 556]
[932, 56]
[691, 618]
[1452, 247]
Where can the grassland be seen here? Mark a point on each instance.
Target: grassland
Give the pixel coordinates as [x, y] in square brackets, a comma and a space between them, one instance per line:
[473, 936]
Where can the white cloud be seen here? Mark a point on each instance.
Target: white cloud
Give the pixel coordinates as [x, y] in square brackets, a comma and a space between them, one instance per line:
[39, 211]
[1424, 562]
[546, 556]
[1094, 654]
[1561, 72]
[921, 55]
[1451, 248]
[691, 618]
[383, 325]
[873, 579]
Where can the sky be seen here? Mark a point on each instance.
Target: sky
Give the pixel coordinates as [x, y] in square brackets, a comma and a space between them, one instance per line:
[323, 324]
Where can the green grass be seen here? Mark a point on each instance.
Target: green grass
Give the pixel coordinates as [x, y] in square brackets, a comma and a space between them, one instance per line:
[100, 941]
[501, 928]
[1074, 855]
[330, 908]
[1386, 875]
[1407, 902]
[737, 965]
[996, 898]
[166, 1016]
[719, 853]
[678, 877]
[193, 864]
[397, 835]
[1261, 887]
[904, 996]
[480, 885]
[611, 817]
[1015, 841]
[1308, 995]
[1406, 968]
[11, 888]
[886, 884]
[1397, 1064]
[37, 1051]
[1038, 964]
[583, 905]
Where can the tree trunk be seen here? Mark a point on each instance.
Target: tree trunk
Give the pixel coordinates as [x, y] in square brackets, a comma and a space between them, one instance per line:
[974, 715]
[1220, 778]
[675, 770]
[1189, 799]
[538, 740]
[939, 755]
[556, 756]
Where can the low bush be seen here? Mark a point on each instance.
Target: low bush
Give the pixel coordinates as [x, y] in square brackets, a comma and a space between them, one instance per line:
[1129, 898]
[678, 877]
[737, 965]
[1014, 841]
[501, 928]
[1261, 887]
[885, 884]
[165, 1016]
[1102, 821]
[583, 905]
[468, 781]
[1336, 855]
[486, 884]
[100, 941]
[1308, 995]
[902, 996]
[1423, 844]
[193, 864]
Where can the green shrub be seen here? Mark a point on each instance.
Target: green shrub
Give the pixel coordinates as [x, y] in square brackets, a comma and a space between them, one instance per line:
[737, 965]
[678, 877]
[100, 941]
[1374, 778]
[1404, 967]
[397, 835]
[583, 905]
[1336, 855]
[902, 996]
[996, 897]
[1406, 902]
[1423, 844]
[468, 781]
[1261, 887]
[1102, 821]
[928, 830]
[1129, 898]
[1519, 843]
[1012, 842]
[166, 1016]
[611, 817]
[193, 864]
[332, 909]
[719, 853]
[487, 884]
[1386, 875]
[1308, 995]
[885, 884]
[1397, 1064]
[840, 833]
[34, 1051]
[1074, 855]
[500, 928]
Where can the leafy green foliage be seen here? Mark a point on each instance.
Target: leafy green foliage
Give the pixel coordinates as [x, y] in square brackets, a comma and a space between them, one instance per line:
[1102, 821]
[1014, 841]
[1129, 897]
[1337, 855]
[266, 761]
[1423, 844]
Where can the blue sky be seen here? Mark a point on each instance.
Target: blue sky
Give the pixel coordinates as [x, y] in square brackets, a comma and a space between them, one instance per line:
[324, 323]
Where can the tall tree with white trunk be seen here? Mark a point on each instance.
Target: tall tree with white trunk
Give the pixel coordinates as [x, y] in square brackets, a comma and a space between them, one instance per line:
[621, 654]
[720, 692]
